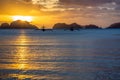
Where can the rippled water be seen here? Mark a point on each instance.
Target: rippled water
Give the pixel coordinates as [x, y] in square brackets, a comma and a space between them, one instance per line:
[60, 55]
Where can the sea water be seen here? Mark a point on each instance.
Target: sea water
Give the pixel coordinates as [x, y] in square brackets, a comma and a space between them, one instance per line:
[60, 55]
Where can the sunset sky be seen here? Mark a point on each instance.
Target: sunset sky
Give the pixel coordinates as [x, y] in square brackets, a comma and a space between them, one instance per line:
[49, 12]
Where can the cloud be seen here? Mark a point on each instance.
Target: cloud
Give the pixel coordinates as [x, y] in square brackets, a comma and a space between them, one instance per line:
[100, 11]
[87, 2]
[18, 7]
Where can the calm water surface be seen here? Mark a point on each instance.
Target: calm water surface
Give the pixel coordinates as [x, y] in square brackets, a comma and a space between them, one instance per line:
[60, 55]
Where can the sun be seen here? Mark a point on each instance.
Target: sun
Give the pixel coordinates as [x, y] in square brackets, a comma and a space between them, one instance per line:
[23, 18]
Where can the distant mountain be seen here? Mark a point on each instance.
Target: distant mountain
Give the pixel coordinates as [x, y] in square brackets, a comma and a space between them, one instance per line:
[75, 26]
[92, 26]
[114, 26]
[4, 26]
[60, 26]
[66, 26]
[18, 25]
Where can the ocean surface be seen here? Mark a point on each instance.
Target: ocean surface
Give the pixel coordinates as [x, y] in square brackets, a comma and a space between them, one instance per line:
[60, 55]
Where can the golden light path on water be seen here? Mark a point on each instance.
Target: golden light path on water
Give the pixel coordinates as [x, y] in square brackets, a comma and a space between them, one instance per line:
[21, 52]
[35, 55]
[21, 57]
[25, 60]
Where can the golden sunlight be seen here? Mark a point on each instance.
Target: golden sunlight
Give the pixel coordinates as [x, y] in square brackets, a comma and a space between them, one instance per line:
[23, 18]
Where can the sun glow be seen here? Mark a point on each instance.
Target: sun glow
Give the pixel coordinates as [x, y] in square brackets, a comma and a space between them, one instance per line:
[23, 18]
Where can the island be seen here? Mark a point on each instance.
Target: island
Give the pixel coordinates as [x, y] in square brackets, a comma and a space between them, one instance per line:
[74, 26]
[92, 26]
[18, 25]
[64, 26]
[114, 26]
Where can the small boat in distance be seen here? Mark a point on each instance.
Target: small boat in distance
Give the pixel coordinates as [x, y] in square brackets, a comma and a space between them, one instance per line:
[71, 29]
[43, 28]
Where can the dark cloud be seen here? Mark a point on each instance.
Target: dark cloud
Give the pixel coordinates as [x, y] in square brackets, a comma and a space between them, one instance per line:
[88, 2]
[101, 10]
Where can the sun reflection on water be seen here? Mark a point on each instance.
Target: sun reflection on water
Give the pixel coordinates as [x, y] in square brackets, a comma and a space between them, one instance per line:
[27, 61]
[22, 51]
[21, 56]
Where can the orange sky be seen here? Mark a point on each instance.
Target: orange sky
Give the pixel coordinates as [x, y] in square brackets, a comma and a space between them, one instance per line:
[48, 12]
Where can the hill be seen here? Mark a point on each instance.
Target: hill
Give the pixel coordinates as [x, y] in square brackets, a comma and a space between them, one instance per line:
[66, 26]
[92, 26]
[74, 26]
[114, 26]
[18, 25]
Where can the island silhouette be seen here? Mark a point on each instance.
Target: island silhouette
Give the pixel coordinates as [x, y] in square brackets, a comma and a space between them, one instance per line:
[18, 24]
[114, 26]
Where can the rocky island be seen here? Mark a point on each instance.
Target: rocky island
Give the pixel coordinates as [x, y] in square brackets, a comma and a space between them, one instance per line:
[74, 26]
[114, 26]
[18, 25]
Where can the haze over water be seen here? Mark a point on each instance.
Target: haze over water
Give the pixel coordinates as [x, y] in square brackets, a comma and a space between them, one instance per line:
[60, 55]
